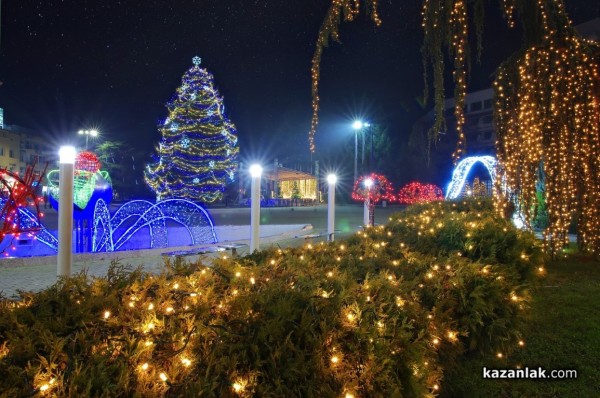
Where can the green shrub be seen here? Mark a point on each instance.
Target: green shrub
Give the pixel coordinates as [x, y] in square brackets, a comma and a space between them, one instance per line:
[381, 314]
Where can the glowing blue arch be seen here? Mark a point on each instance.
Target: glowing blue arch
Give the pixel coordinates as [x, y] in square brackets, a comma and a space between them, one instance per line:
[194, 218]
[30, 220]
[459, 176]
[131, 218]
[144, 214]
[102, 236]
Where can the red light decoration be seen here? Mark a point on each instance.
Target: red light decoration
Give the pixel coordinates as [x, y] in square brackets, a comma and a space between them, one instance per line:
[87, 161]
[19, 192]
[380, 190]
[417, 192]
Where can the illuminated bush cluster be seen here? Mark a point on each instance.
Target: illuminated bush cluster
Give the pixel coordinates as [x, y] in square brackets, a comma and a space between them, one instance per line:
[382, 314]
[417, 192]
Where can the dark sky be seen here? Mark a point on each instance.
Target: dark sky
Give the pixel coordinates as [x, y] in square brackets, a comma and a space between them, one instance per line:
[112, 64]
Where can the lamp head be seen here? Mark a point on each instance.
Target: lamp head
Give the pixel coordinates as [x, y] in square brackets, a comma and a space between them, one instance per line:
[331, 178]
[255, 170]
[357, 125]
[66, 154]
[368, 183]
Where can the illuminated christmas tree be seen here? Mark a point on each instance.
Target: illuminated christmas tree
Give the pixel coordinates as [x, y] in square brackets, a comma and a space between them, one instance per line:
[196, 157]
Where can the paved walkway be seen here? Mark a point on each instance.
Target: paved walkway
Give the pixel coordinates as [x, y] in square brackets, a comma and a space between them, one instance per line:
[37, 273]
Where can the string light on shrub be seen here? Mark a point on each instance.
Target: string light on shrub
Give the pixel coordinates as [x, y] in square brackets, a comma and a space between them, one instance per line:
[417, 192]
[176, 336]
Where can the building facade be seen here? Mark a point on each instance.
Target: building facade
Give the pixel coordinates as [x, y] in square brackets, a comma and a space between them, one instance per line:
[19, 150]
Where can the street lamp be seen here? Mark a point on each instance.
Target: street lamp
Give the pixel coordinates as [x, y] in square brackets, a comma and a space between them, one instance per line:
[255, 172]
[331, 179]
[65, 210]
[358, 125]
[367, 209]
[93, 133]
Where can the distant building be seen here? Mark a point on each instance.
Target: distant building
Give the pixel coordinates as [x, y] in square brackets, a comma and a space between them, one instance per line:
[10, 145]
[590, 29]
[285, 186]
[18, 150]
[478, 129]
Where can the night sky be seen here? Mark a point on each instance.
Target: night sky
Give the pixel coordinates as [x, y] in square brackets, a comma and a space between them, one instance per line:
[113, 64]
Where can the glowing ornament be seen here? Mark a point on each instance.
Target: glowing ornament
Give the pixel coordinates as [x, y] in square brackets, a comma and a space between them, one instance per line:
[185, 142]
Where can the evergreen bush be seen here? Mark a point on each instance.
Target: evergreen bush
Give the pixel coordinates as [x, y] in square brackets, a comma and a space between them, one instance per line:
[382, 314]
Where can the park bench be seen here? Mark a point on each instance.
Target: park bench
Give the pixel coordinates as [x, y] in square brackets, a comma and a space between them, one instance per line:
[231, 246]
[192, 252]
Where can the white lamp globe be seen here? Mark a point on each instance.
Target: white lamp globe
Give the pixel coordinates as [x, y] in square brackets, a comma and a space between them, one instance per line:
[255, 170]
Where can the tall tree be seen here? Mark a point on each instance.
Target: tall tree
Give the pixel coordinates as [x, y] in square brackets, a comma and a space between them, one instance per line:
[196, 157]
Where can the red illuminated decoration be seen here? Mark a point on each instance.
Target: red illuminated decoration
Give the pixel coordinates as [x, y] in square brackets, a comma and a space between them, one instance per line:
[19, 192]
[87, 161]
[417, 192]
[380, 190]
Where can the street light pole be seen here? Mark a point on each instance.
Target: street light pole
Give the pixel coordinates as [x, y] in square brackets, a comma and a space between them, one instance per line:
[65, 211]
[331, 179]
[88, 133]
[357, 125]
[371, 165]
[367, 209]
[255, 173]
[355, 154]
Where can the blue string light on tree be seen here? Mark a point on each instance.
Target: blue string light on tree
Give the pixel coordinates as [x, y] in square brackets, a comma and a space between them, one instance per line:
[198, 142]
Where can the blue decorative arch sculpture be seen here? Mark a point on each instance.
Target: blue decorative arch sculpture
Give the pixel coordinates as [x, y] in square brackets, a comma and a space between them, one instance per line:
[459, 176]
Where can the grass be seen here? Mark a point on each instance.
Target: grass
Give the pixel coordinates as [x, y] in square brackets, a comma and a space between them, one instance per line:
[563, 333]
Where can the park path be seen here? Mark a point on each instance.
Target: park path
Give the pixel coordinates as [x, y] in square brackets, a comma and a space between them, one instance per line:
[36, 274]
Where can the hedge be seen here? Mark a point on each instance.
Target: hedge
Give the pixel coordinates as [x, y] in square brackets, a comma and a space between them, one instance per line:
[381, 314]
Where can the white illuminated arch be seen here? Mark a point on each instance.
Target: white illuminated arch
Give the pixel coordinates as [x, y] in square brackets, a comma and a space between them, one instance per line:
[459, 176]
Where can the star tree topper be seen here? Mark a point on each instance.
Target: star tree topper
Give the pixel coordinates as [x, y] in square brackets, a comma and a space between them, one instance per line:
[196, 60]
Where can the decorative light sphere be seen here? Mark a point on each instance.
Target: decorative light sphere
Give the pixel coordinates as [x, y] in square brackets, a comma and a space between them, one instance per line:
[368, 183]
[331, 178]
[87, 161]
[196, 60]
[94, 133]
[255, 170]
[66, 154]
[357, 125]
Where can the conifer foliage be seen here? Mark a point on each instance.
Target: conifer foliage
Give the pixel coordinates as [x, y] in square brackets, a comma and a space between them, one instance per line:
[196, 157]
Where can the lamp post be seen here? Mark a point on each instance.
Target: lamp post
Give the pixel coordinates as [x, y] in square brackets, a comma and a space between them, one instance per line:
[93, 133]
[366, 211]
[331, 179]
[255, 173]
[65, 210]
[358, 125]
